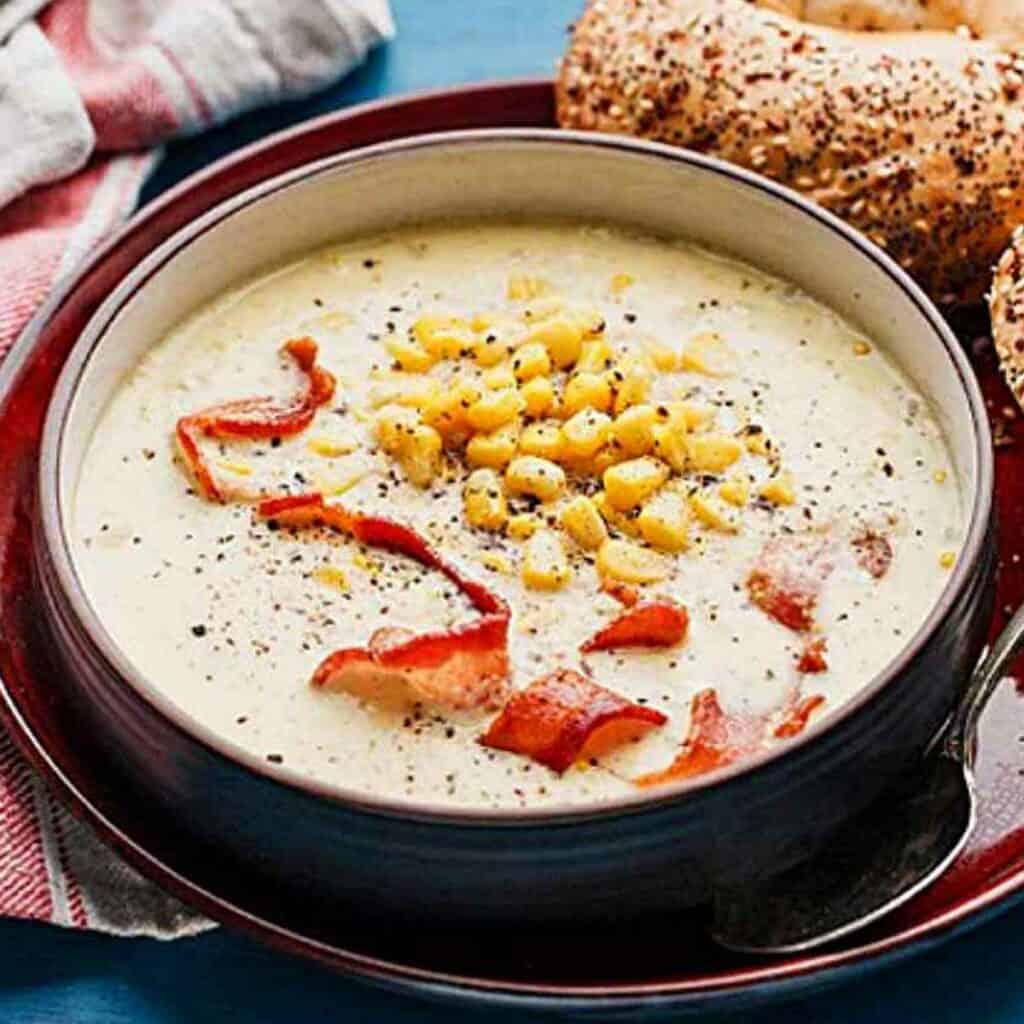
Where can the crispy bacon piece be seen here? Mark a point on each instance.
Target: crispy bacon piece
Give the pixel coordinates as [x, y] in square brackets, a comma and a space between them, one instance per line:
[661, 623]
[787, 579]
[797, 716]
[873, 552]
[717, 739]
[255, 417]
[559, 716]
[714, 740]
[463, 667]
[812, 657]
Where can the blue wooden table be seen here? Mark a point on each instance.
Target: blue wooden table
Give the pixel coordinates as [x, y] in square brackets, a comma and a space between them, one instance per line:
[49, 975]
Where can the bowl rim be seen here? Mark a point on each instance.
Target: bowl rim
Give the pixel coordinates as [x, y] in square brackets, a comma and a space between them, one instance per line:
[73, 592]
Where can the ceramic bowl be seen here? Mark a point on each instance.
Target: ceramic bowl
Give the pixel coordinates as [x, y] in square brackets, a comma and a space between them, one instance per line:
[339, 851]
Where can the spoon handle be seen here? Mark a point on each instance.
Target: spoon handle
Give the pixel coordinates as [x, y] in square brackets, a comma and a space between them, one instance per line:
[961, 735]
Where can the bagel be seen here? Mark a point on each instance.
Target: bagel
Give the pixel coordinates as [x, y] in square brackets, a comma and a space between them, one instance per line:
[913, 137]
[1006, 306]
[999, 21]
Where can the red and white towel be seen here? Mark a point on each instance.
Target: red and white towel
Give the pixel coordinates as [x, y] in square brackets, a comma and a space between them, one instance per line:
[87, 90]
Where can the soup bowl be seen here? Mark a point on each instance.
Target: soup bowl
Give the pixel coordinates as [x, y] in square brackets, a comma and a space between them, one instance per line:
[338, 850]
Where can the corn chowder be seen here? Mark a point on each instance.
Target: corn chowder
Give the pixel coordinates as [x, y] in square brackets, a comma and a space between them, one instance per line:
[522, 514]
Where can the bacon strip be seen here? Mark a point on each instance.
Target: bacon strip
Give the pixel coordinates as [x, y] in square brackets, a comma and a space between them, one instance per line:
[557, 717]
[812, 658]
[661, 623]
[463, 667]
[796, 718]
[786, 582]
[873, 552]
[255, 417]
[714, 740]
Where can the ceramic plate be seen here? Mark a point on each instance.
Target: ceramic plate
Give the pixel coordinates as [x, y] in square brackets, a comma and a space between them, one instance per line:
[667, 968]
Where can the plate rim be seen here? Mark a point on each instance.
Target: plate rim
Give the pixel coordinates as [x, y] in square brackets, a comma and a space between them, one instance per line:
[745, 985]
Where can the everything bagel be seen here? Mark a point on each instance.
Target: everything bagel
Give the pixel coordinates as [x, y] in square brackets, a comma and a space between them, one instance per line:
[1006, 304]
[914, 137]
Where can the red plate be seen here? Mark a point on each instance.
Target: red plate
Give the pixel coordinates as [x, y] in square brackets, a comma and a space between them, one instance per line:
[630, 974]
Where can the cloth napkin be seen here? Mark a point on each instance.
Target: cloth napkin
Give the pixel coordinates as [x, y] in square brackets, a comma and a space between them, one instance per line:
[88, 90]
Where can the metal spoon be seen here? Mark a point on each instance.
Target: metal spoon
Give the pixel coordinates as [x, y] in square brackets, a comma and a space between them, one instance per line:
[887, 854]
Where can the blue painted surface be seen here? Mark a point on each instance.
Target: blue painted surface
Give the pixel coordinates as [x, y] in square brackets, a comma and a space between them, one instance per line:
[48, 975]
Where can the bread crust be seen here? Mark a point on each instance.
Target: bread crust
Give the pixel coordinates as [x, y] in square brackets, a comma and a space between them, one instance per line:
[915, 138]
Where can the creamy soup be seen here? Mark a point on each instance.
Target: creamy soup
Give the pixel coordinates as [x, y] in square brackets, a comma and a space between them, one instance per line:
[714, 441]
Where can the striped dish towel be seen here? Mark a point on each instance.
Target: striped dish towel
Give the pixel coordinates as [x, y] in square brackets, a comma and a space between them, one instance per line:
[88, 89]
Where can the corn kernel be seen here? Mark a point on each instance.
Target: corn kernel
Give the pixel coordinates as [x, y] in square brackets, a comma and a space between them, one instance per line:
[939, 476]
[495, 450]
[395, 423]
[540, 478]
[336, 483]
[526, 286]
[400, 389]
[604, 458]
[238, 468]
[688, 415]
[331, 576]
[481, 322]
[631, 381]
[669, 445]
[661, 355]
[420, 456]
[542, 308]
[562, 337]
[613, 517]
[582, 521]
[591, 322]
[664, 522]
[531, 361]
[491, 349]
[499, 377]
[708, 353]
[712, 453]
[736, 491]
[595, 356]
[861, 348]
[483, 500]
[523, 526]
[631, 483]
[543, 439]
[410, 355]
[585, 433]
[332, 447]
[496, 562]
[947, 559]
[545, 562]
[586, 391]
[712, 513]
[495, 409]
[627, 562]
[620, 282]
[444, 337]
[757, 441]
[779, 490]
[448, 412]
[632, 430]
[364, 562]
[539, 396]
